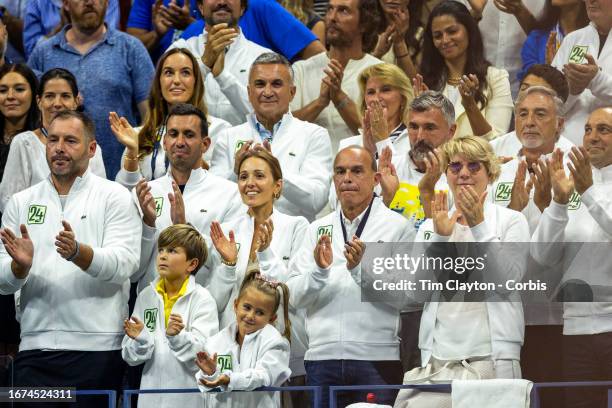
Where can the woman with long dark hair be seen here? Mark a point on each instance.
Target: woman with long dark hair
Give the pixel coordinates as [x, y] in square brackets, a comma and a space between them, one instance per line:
[177, 80]
[18, 112]
[454, 64]
[26, 164]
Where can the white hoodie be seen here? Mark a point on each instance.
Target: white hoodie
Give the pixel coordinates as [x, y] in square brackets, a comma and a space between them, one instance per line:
[587, 220]
[170, 360]
[62, 306]
[339, 325]
[262, 361]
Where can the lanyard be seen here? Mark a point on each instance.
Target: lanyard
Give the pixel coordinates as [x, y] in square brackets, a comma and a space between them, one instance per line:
[362, 223]
[44, 132]
[156, 146]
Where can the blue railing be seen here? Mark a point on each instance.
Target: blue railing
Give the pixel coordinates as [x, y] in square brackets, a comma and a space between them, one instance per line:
[111, 395]
[127, 394]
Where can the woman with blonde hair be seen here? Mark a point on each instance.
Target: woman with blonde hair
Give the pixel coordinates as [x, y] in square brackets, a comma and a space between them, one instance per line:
[386, 93]
[470, 334]
[177, 80]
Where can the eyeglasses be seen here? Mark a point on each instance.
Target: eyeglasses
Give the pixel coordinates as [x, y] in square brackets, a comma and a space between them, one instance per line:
[473, 167]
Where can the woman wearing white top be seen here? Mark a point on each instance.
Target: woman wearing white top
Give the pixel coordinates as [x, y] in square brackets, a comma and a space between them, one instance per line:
[454, 63]
[27, 164]
[264, 239]
[177, 80]
[477, 337]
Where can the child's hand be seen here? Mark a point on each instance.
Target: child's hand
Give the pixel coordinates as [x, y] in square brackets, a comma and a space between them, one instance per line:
[175, 325]
[222, 381]
[133, 327]
[207, 364]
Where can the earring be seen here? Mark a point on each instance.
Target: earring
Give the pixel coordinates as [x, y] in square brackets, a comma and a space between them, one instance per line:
[277, 195]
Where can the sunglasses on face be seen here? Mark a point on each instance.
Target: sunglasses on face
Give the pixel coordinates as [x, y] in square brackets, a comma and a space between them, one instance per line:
[473, 167]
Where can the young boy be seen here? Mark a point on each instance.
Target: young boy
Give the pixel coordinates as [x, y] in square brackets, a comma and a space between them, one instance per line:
[172, 319]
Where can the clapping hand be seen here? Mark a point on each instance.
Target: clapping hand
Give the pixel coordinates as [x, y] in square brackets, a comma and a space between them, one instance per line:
[226, 248]
[562, 185]
[133, 326]
[353, 252]
[20, 249]
[323, 252]
[580, 167]
[175, 325]
[443, 224]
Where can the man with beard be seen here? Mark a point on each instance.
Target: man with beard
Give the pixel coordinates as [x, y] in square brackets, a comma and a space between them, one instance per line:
[70, 246]
[351, 30]
[225, 56]
[113, 69]
[187, 193]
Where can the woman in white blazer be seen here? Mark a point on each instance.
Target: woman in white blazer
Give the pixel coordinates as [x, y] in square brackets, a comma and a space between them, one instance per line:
[453, 63]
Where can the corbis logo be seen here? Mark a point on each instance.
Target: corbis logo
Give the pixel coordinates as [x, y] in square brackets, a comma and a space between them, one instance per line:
[36, 214]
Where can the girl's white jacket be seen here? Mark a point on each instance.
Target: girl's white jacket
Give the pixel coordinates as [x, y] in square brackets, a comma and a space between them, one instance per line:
[506, 320]
[304, 152]
[586, 220]
[62, 306]
[262, 361]
[287, 238]
[339, 325]
[170, 360]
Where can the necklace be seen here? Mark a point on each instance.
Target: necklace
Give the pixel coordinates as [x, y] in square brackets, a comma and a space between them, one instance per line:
[454, 80]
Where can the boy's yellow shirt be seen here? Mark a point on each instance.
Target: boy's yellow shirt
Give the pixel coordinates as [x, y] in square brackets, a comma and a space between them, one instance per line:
[169, 302]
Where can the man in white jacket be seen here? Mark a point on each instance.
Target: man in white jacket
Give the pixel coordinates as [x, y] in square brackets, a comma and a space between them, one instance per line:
[302, 148]
[187, 193]
[71, 265]
[585, 56]
[587, 326]
[350, 341]
[224, 55]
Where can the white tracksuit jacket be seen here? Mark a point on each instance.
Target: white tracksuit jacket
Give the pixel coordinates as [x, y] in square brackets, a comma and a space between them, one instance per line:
[339, 325]
[598, 92]
[63, 307]
[506, 320]
[170, 360]
[304, 152]
[586, 220]
[262, 361]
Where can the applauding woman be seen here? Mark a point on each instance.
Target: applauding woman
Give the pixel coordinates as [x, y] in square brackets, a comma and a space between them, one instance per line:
[268, 239]
[454, 64]
[177, 80]
[470, 337]
[26, 162]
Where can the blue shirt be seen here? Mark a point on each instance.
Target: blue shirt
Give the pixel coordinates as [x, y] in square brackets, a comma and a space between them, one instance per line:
[268, 24]
[114, 75]
[534, 49]
[42, 16]
[141, 16]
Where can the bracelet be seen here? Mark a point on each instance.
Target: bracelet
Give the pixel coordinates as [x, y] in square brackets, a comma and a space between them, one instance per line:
[131, 158]
[75, 254]
[224, 262]
[402, 56]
